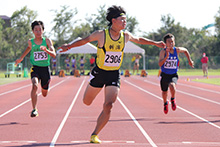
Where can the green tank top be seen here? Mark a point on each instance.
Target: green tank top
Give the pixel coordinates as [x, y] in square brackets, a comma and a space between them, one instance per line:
[37, 56]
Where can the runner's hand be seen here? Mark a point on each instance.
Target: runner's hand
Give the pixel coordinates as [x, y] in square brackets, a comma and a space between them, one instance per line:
[43, 48]
[191, 63]
[18, 61]
[64, 48]
[161, 44]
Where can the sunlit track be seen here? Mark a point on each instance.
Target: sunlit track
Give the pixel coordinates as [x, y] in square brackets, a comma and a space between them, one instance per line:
[53, 142]
[137, 124]
[208, 90]
[189, 94]
[4, 93]
[205, 120]
[186, 85]
[29, 99]
[137, 117]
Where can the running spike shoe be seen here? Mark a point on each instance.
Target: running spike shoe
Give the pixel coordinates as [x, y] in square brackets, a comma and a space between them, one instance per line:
[34, 113]
[173, 104]
[165, 109]
[95, 139]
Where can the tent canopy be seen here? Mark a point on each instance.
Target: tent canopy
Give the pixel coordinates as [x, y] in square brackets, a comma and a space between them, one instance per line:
[88, 48]
[132, 48]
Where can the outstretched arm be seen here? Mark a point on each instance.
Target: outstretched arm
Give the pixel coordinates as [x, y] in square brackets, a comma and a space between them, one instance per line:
[142, 40]
[28, 49]
[95, 36]
[185, 51]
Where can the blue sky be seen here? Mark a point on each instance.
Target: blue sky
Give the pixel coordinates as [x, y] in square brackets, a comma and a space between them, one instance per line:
[190, 13]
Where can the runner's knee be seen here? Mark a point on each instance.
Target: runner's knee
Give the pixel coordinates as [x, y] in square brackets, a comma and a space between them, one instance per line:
[86, 102]
[44, 93]
[108, 106]
[172, 86]
[34, 87]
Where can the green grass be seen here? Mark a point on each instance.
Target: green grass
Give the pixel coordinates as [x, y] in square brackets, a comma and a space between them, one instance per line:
[195, 72]
[215, 81]
[12, 78]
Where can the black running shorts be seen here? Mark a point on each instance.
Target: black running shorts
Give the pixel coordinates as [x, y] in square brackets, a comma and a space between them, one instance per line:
[100, 77]
[166, 79]
[43, 75]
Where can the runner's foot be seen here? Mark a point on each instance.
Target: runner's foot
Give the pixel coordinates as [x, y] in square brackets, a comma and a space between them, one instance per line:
[165, 109]
[34, 113]
[95, 139]
[173, 103]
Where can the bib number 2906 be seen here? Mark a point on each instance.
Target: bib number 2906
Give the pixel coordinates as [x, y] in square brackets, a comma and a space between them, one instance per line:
[113, 59]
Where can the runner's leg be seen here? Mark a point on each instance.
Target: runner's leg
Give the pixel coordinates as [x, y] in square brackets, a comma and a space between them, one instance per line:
[111, 93]
[90, 94]
[34, 92]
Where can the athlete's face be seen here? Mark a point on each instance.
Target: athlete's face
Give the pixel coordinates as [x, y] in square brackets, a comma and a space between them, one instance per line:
[170, 42]
[121, 22]
[38, 31]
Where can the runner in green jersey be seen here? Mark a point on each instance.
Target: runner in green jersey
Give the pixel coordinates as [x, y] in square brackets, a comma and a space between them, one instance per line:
[40, 49]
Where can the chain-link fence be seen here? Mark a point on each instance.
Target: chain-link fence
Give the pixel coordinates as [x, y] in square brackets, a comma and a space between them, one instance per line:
[151, 62]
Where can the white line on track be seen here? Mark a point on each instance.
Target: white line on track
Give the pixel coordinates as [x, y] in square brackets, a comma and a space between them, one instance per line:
[196, 96]
[194, 143]
[14, 90]
[104, 141]
[16, 141]
[214, 125]
[203, 89]
[138, 125]
[190, 86]
[30, 99]
[52, 144]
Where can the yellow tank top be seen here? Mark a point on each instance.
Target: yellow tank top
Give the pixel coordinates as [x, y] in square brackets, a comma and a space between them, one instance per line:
[110, 56]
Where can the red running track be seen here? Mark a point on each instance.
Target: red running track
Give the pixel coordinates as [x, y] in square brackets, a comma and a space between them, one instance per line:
[137, 117]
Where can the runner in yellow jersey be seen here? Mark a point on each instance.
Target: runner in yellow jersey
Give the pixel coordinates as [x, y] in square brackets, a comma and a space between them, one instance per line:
[110, 52]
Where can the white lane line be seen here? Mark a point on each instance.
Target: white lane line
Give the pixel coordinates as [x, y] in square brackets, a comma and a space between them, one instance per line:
[187, 85]
[17, 142]
[104, 141]
[203, 89]
[195, 143]
[53, 142]
[196, 96]
[29, 99]
[138, 125]
[177, 106]
[14, 90]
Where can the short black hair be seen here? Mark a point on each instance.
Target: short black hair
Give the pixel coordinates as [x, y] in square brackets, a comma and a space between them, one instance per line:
[36, 23]
[113, 12]
[167, 36]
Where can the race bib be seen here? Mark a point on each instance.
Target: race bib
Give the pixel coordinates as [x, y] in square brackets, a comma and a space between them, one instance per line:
[113, 59]
[171, 64]
[41, 55]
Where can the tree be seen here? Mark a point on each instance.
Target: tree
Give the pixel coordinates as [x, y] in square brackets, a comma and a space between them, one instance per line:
[20, 31]
[63, 24]
[217, 26]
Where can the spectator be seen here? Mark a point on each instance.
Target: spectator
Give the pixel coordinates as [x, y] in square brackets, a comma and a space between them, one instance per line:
[54, 61]
[136, 64]
[82, 63]
[92, 63]
[204, 61]
[67, 63]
